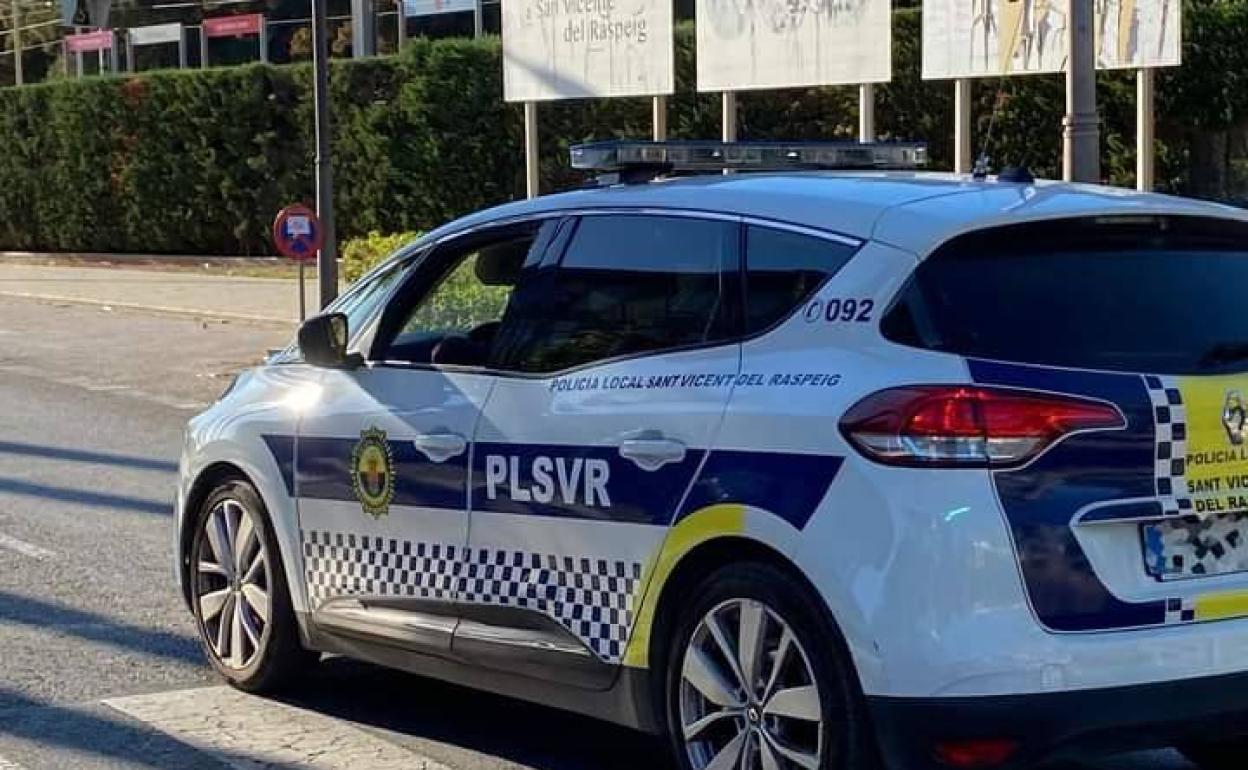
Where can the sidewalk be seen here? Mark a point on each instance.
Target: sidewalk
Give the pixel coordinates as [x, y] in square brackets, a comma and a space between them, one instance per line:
[263, 300]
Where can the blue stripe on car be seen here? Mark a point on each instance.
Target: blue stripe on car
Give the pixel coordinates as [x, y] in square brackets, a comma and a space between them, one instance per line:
[1041, 498]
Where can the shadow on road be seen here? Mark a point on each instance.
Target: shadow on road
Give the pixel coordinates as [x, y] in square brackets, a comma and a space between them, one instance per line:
[428, 710]
[86, 456]
[85, 497]
[91, 626]
[97, 731]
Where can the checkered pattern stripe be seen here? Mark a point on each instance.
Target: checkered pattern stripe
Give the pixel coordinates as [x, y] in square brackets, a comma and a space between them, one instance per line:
[1170, 418]
[592, 598]
[1193, 547]
[1180, 611]
[340, 564]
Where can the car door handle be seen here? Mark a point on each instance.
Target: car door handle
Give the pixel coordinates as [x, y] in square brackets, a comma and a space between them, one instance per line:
[650, 454]
[440, 447]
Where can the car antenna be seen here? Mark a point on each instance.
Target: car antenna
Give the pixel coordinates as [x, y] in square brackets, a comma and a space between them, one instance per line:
[983, 160]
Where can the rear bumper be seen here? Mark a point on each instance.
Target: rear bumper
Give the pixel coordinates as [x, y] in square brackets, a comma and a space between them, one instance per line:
[1067, 724]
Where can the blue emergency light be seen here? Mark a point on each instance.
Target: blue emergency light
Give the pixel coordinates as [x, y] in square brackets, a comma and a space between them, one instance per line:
[697, 156]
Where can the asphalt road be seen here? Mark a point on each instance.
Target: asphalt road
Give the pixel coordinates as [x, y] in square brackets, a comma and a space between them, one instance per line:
[100, 668]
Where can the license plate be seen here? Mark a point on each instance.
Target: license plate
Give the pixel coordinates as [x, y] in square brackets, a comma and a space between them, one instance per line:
[1193, 547]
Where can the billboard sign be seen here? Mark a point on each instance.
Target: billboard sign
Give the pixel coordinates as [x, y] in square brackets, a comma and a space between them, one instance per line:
[90, 42]
[1011, 37]
[567, 49]
[753, 44]
[234, 26]
[156, 34]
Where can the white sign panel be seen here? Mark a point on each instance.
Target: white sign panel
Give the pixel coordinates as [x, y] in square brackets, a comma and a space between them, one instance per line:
[157, 33]
[435, 7]
[565, 49]
[970, 38]
[750, 44]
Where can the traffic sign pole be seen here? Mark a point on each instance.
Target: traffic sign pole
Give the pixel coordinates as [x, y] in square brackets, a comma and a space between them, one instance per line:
[303, 304]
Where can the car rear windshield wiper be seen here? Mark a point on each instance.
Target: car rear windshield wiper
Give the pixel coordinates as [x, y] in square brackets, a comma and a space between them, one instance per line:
[1224, 353]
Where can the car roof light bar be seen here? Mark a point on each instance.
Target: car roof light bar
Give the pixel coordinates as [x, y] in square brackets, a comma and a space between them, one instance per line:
[697, 156]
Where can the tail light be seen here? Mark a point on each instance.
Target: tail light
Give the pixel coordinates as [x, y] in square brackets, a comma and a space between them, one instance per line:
[960, 426]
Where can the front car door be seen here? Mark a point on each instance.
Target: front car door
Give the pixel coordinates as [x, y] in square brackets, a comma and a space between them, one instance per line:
[382, 458]
[615, 363]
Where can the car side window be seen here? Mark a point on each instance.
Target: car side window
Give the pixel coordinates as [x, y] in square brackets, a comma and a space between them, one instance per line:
[453, 307]
[626, 284]
[783, 269]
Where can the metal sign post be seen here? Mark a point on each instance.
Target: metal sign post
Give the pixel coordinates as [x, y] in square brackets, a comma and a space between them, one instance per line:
[659, 108]
[728, 117]
[1145, 148]
[327, 256]
[1081, 155]
[962, 152]
[866, 112]
[532, 162]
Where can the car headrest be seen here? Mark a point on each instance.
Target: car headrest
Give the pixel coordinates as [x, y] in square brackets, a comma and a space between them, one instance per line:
[499, 264]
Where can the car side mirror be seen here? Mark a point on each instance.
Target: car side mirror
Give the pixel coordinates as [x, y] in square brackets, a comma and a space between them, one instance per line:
[323, 341]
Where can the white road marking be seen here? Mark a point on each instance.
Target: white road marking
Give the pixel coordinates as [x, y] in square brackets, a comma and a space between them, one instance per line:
[249, 733]
[8, 765]
[25, 549]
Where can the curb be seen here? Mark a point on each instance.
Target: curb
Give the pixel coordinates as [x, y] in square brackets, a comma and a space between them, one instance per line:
[181, 260]
[175, 311]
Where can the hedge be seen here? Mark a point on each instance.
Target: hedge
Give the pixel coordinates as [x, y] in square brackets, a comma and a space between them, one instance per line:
[198, 161]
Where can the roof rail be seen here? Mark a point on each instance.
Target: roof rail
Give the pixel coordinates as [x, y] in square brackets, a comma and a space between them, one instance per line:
[641, 161]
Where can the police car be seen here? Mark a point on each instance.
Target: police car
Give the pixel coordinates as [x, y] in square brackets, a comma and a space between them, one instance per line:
[806, 469]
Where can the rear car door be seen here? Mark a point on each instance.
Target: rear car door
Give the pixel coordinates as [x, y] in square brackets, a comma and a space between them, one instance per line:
[382, 458]
[1138, 527]
[614, 366]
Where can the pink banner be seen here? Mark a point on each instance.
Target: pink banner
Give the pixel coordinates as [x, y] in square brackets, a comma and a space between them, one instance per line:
[87, 42]
[234, 26]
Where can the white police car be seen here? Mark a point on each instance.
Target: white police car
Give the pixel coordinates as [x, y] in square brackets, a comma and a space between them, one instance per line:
[809, 470]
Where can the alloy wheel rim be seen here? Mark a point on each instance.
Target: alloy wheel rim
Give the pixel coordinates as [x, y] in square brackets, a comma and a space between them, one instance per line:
[748, 696]
[232, 585]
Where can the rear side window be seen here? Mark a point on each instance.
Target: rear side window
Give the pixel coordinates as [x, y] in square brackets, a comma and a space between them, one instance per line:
[1156, 295]
[625, 285]
[783, 269]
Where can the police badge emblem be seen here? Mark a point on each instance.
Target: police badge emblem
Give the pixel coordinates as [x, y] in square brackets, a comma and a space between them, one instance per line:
[372, 472]
[1235, 417]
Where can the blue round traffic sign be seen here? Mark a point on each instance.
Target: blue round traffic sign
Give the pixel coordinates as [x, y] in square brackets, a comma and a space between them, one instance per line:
[297, 232]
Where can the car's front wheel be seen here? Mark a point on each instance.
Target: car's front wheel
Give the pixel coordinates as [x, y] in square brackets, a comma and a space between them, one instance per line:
[239, 594]
[757, 679]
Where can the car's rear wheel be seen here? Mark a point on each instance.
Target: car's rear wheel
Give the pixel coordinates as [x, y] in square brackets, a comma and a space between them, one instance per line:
[757, 680]
[239, 594]
[1226, 754]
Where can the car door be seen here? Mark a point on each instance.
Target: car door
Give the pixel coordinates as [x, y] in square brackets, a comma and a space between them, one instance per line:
[383, 451]
[614, 364]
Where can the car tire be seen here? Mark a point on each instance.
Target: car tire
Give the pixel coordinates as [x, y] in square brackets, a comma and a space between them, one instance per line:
[239, 594]
[710, 719]
[1226, 754]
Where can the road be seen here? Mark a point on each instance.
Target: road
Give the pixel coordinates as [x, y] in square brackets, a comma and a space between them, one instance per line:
[100, 665]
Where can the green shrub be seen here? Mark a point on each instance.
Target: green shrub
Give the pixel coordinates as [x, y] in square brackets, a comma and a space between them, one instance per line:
[359, 255]
[199, 161]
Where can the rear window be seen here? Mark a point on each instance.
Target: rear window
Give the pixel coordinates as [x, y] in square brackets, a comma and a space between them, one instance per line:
[1158, 295]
